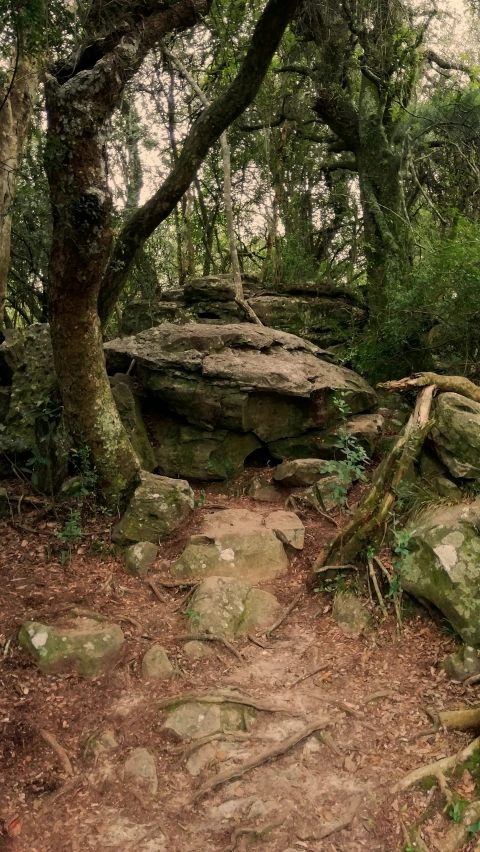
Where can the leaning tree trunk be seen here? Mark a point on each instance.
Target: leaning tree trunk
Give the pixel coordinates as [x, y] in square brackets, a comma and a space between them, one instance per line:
[15, 116]
[374, 510]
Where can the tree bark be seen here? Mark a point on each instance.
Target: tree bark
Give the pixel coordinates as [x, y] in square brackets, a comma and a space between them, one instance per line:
[15, 118]
[81, 95]
[205, 132]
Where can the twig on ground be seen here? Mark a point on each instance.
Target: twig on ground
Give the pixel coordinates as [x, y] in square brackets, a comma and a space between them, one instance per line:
[257, 641]
[226, 697]
[471, 681]
[287, 612]
[334, 825]
[444, 764]
[155, 591]
[185, 598]
[175, 584]
[210, 637]
[371, 571]
[48, 533]
[106, 584]
[262, 757]
[335, 568]
[308, 674]
[58, 749]
[45, 803]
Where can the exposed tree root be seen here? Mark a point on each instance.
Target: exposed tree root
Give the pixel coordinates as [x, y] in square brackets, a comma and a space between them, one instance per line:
[268, 754]
[185, 751]
[210, 637]
[287, 612]
[373, 577]
[457, 836]
[443, 765]
[254, 832]
[155, 591]
[58, 749]
[377, 504]
[226, 697]
[308, 674]
[334, 825]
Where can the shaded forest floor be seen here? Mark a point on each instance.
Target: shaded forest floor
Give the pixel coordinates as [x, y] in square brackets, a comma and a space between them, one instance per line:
[375, 690]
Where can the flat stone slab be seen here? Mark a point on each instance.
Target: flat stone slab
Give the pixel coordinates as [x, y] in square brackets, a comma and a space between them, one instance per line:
[242, 544]
[301, 471]
[194, 719]
[140, 769]
[81, 645]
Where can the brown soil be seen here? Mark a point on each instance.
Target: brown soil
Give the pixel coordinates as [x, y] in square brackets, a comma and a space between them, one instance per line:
[386, 682]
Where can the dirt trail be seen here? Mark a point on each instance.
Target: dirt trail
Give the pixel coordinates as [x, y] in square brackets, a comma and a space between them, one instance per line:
[373, 692]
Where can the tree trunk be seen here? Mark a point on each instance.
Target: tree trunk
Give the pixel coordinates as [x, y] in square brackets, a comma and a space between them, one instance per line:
[15, 118]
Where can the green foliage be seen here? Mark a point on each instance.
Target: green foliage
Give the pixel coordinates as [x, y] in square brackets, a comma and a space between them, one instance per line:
[70, 534]
[456, 810]
[350, 466]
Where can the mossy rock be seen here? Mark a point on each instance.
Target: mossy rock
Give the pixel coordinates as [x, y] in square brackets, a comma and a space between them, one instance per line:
[193, 719]
[130, 412]
[158, 506]
[456, 434]
[140, 557]
[83, 645]
[443, 565]
[227, 607]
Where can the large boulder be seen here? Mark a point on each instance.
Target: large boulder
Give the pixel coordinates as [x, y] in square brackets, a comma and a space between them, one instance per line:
[456, 434]
[223, 606]
[233, 543]
[366, 429]
[244, 378]
[158, 506]
[324, 320]
[443, 565]
[185, 450]
[301, 471]
[82, 645]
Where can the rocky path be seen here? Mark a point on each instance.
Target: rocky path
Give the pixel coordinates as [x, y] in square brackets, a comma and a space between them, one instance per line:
[148, 762]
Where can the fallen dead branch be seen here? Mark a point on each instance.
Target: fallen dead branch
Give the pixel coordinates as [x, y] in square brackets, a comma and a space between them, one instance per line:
[308, 674]
[377, 504]
[285, 615]
[58, 749]
[262, 757]
[459, 720]
[177, 584]
[335, 568]
[374, 579]
[226, 697]
[449, 384]
[185, 751]
[210, 637]
[444, 765]
[46, 802]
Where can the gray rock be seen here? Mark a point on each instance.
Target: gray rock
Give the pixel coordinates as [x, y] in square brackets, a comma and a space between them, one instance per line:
[100, 743]
[263, 491]
[140, 768]
[350, 614]
[130, 412]
[197, 650]
[227, 607]
[443, 565]
[81, 645]
[456, 434]
[241, 377]
[214, 288]
[193, 719]
[233, 543]
[158, 506]
[463, 664]
[140, 557]
[301, 471]
[156, 665]
[327, 494]
[288, 527]
[324, 443]
[4, 508]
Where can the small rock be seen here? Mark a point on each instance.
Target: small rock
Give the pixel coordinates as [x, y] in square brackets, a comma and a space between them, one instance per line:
[70, 489]
[193, 719]
[200, 759]
[328, 493]
[84, 646]
[100, 742]
[288, 527]
[262, 491]
[301, 471]
[140, 767]
[463, 664]
[140, 557]
[156, 665]
[350, 615]
[158, 506]
[197, 650]
[3, 503]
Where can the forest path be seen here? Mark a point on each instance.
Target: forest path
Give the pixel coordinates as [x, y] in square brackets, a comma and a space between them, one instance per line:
[372, 693]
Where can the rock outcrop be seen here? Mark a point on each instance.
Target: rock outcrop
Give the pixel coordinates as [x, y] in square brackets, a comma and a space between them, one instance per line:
[456, 434]
[242, 378]
[322, 315]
